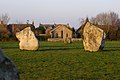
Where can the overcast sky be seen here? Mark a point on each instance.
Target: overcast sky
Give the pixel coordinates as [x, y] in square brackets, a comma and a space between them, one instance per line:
[56, 11]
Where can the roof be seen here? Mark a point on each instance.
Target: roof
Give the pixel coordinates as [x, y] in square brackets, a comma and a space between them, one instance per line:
[18, 27]
[46, 26]
[21, 25]
[59, 25]
[82, 26]
[103, 27]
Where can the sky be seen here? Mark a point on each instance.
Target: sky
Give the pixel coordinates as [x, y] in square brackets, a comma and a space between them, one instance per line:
[56, 11]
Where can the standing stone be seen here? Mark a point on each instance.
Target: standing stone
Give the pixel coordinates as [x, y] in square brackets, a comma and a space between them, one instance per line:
[93, 38]
[8, 70]
[27, 39]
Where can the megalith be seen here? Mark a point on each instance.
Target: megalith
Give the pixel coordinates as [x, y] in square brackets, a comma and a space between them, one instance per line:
[27, 39]
[93, 38]
[8, 69]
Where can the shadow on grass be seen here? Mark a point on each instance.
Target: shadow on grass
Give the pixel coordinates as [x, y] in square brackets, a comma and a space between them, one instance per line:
[57, 48]
[111, 49]
[46, 48]
[9, 47]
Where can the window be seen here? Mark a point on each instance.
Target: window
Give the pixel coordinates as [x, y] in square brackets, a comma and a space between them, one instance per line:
[66, 35]
[56, 35]
[61, 34]
[52, 35]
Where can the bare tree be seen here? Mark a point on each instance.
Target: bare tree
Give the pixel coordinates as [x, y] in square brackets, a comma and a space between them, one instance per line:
[93, 20]
[111, 23]
[110, 18]
[101, 19]
[81, 21]
[4, 18]
[113, 17]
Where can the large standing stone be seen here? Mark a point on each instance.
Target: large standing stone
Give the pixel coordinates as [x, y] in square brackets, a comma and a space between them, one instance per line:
[8, 70]
[93, 38]
[27, 39]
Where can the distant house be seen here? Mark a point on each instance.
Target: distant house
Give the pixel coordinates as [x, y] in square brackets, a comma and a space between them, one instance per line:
[78, 32]
[61, 31]
[48, 28]
[13, 28]
[103, 27]
[7, 32]
[55, 31]
[43, 31]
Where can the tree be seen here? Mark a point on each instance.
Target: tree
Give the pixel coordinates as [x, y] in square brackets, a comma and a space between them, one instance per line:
[42, 29]
[4, 18]
[113, 18]
[83, 20]
[82, 27]
[109, 18]
[110, 21]
[100, 19]
[73, 30]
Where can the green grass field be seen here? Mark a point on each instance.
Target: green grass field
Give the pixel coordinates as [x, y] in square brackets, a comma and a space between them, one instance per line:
[59, 61]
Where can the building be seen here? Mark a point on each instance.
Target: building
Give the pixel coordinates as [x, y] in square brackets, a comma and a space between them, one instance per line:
[13, 28]
[79, 31]
[61, 31]
[48, 26]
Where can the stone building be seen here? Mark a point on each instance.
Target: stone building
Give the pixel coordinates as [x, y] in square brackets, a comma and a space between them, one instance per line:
[61, 31]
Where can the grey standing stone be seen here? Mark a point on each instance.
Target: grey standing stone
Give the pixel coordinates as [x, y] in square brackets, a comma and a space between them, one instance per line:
[8, 69]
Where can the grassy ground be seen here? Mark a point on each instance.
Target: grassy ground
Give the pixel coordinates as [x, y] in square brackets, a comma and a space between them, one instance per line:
[59, 61]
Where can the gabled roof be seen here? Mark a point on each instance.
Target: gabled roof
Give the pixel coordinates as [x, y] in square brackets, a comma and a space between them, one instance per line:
[59, 25]
[82, 26]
